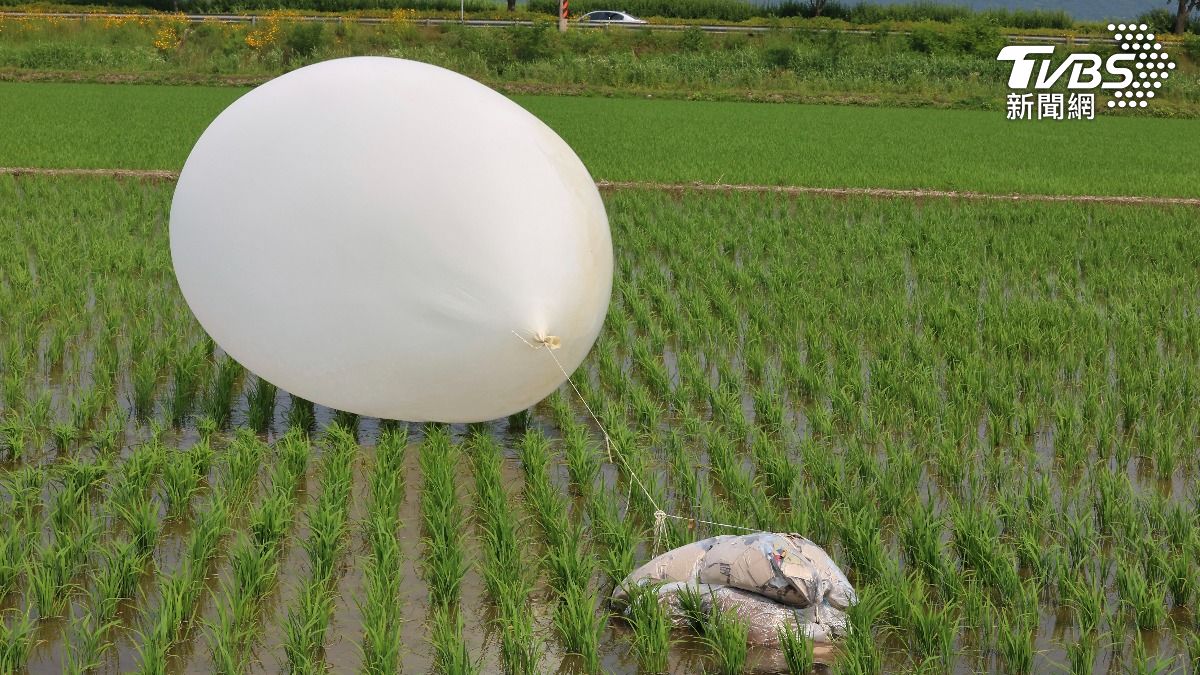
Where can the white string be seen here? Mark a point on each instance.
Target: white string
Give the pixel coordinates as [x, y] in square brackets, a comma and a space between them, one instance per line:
[660, 516]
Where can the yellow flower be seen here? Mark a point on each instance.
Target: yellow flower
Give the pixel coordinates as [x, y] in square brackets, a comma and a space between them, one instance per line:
[166, 39]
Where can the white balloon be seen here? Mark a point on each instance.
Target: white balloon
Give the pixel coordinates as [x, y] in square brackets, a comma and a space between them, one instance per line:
[369, 233]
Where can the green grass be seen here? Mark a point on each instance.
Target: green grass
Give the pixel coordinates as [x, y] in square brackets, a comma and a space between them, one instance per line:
[154, 127]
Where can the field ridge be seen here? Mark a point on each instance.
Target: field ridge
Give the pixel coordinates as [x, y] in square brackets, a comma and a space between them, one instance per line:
[697, 186]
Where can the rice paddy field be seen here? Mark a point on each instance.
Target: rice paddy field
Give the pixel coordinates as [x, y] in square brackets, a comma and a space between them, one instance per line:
[985, 411]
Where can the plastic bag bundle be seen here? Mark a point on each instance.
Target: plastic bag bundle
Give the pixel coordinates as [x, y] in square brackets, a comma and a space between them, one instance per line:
[763, 617]
[768, 578]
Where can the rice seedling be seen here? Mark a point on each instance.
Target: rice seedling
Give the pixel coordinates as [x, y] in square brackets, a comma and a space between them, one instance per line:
[1014, 643]
[651, 628]
[1081, 655]
[725, 635]
[87, 644]
[261, 405]
[180, 482]
[863, 654]
[1143, 601]
[446, 636]
[307, 625]
[445, 562]
[218, 402]
[1192, 642]
[580, 620]
[381, 607]
[308, 619]
[143, 524]
[1141, 663]
[797, 650]
[17, 640]
[932, 628]
[1182, 581]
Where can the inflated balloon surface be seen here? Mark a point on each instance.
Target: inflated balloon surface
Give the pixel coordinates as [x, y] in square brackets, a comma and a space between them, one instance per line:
[369, 233]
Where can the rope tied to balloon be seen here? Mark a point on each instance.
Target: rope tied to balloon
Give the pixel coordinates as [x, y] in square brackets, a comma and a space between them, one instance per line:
[550, 343]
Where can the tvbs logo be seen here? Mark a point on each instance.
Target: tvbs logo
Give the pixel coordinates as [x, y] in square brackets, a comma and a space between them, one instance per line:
[1132, 76]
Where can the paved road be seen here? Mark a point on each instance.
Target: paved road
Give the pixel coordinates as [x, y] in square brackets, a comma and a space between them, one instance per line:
[500, 23]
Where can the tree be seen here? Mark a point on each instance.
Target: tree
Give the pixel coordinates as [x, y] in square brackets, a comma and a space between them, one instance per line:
[1181, 17]
[818, 6]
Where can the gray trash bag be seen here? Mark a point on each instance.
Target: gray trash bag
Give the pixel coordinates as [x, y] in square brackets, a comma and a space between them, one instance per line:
[776, 577]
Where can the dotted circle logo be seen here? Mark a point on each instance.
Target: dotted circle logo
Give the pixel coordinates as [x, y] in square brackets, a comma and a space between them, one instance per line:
[1151, 65]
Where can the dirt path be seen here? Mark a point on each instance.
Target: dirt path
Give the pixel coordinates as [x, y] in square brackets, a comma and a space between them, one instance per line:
[882, 193]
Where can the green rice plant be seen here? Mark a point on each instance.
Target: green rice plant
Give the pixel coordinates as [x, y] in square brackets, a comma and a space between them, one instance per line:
[617, 535]
[921, 538]
[862, 654]
[65, 435]
[445, 564]
[1081, 655]
[229, 633]
[651, 627]
[380, 609]
[207, 529]
[143, 523]
[293, 451]
[145, 383]
[222, 391]
[380, 620]
[860, 534]
[177, 601]
[271, 519]
[580, 619]
[570, 563]
[1192, 642]
[301, 414]
[244, 458]
[307, 625]
[446, 636]
[185, 377]
[116, 580]
[13, 542]
[932, 627]
[253, 567]
[548, 504]
[1087, 597]
[1014, 643]
[180, 481]
[13, 437]
[1141, 663]
[520, 647]
[45, 584]
[1143, 602]
[17, 641]
[583, 462]
[87, 643]
[1182, 581]
[328, 528]
[725, 636]
[261, 405]
[797, 649]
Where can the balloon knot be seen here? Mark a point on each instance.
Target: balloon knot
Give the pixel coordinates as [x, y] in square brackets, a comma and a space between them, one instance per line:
[549, 341]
